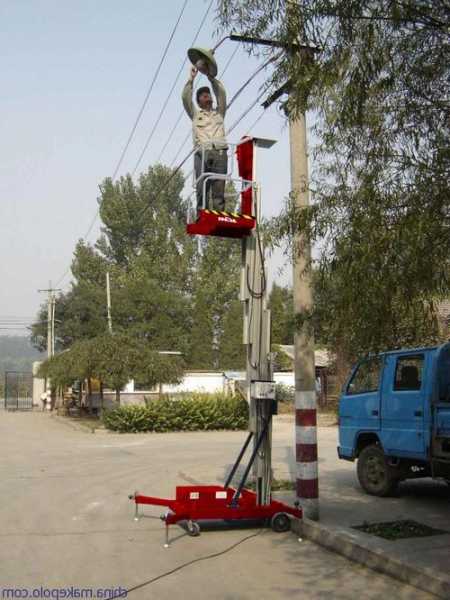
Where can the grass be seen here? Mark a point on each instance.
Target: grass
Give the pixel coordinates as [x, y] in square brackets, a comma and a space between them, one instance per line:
[399, 530]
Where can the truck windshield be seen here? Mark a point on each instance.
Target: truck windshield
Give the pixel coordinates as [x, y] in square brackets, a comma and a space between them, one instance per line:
[366, 377]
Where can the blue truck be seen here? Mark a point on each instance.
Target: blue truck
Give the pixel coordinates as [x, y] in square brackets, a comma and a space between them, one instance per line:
[394, 417]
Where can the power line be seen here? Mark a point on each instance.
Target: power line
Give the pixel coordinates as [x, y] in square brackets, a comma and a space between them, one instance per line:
[138, 118]
[149, 91]
[14, 321]
[247, 110]
[163, 109]
[253, 125]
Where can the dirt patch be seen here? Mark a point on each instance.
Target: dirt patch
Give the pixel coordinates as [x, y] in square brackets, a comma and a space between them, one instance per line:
[399, 530]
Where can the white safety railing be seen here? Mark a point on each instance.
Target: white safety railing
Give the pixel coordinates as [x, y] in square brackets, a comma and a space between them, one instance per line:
[204, 182]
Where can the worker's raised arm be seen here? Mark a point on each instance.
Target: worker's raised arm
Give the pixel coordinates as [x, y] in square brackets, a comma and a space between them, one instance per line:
[221, 95]
[187, 94]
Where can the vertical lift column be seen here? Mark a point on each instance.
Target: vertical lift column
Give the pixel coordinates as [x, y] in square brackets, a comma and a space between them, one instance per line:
[256, 334]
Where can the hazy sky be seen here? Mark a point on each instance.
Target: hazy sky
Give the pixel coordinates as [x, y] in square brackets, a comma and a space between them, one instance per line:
[73, 78]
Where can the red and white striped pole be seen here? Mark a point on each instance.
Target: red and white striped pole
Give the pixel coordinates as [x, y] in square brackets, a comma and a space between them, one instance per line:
[307, 484]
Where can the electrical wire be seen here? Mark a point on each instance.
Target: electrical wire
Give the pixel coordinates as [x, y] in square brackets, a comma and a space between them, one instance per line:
[187, 564]
[171, 91]
[149, 91]
[227, 64]
[250, 79]
[136, 122]
[13, 318]
[245, 113]
[253, 125]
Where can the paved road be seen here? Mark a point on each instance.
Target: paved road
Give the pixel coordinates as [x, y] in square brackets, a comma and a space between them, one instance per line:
[65, 519]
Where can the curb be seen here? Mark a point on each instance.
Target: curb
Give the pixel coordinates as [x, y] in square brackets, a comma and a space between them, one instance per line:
[74, 425]
[425, 579]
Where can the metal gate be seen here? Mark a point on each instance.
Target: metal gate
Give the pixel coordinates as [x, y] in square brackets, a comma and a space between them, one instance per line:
[18, 390]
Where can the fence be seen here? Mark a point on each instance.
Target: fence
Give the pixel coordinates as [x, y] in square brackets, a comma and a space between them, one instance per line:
[18, 390]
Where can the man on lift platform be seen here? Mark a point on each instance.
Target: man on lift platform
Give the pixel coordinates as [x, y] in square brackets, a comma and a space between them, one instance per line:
[208, 131]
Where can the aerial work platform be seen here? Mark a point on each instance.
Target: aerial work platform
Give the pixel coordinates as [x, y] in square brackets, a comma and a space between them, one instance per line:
[221, 224]
[238, 222]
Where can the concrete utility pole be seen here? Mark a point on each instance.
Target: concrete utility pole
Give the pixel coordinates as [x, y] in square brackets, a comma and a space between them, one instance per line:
[51, 303]
[108, 302]
[50, 321]
[307, 484]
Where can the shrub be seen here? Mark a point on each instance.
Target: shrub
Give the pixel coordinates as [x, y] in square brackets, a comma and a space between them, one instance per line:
[284, 393]
[196, 412]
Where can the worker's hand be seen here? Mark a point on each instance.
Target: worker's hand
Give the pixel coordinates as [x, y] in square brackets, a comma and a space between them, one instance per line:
[202, 66]
[193, 73]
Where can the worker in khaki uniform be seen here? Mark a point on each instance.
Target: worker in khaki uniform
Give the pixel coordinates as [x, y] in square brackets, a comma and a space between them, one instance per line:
[208, 131]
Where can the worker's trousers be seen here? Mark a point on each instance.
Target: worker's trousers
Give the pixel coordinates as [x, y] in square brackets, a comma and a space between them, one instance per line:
[210, 191]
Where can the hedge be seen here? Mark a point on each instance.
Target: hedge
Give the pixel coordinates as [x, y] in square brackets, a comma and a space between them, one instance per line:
[284, 393]
[196, 412]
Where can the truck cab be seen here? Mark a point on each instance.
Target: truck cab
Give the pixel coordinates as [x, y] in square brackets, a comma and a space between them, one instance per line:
[394, 417]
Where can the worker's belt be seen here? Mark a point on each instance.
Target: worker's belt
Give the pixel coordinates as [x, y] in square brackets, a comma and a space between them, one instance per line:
[216, 147]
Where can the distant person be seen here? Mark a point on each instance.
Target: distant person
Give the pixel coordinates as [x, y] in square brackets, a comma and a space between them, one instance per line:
[208, 131]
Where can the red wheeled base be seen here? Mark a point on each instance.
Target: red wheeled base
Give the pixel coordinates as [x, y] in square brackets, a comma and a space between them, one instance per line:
[221, 224]
[194, 503]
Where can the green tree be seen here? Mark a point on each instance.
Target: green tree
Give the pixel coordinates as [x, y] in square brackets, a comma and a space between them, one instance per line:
[60, 369]
[215, 294]
[80, 313]
[151, 261]
[114, 360]
[232, 352]
[282, 314]
[379, 86]
[145, 236]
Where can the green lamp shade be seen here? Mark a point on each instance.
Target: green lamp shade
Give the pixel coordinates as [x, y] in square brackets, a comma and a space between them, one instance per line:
[196, 54]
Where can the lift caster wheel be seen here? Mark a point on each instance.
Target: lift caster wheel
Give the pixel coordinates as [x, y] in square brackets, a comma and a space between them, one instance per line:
[193, 528]
[280, 522]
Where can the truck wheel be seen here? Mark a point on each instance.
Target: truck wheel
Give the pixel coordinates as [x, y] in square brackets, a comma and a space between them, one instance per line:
[374, 474]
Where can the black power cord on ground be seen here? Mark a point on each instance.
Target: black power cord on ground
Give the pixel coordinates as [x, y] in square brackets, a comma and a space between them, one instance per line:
[187, 564]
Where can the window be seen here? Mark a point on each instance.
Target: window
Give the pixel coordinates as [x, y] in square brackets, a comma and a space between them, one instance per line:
[408, 373]
[366, 378]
